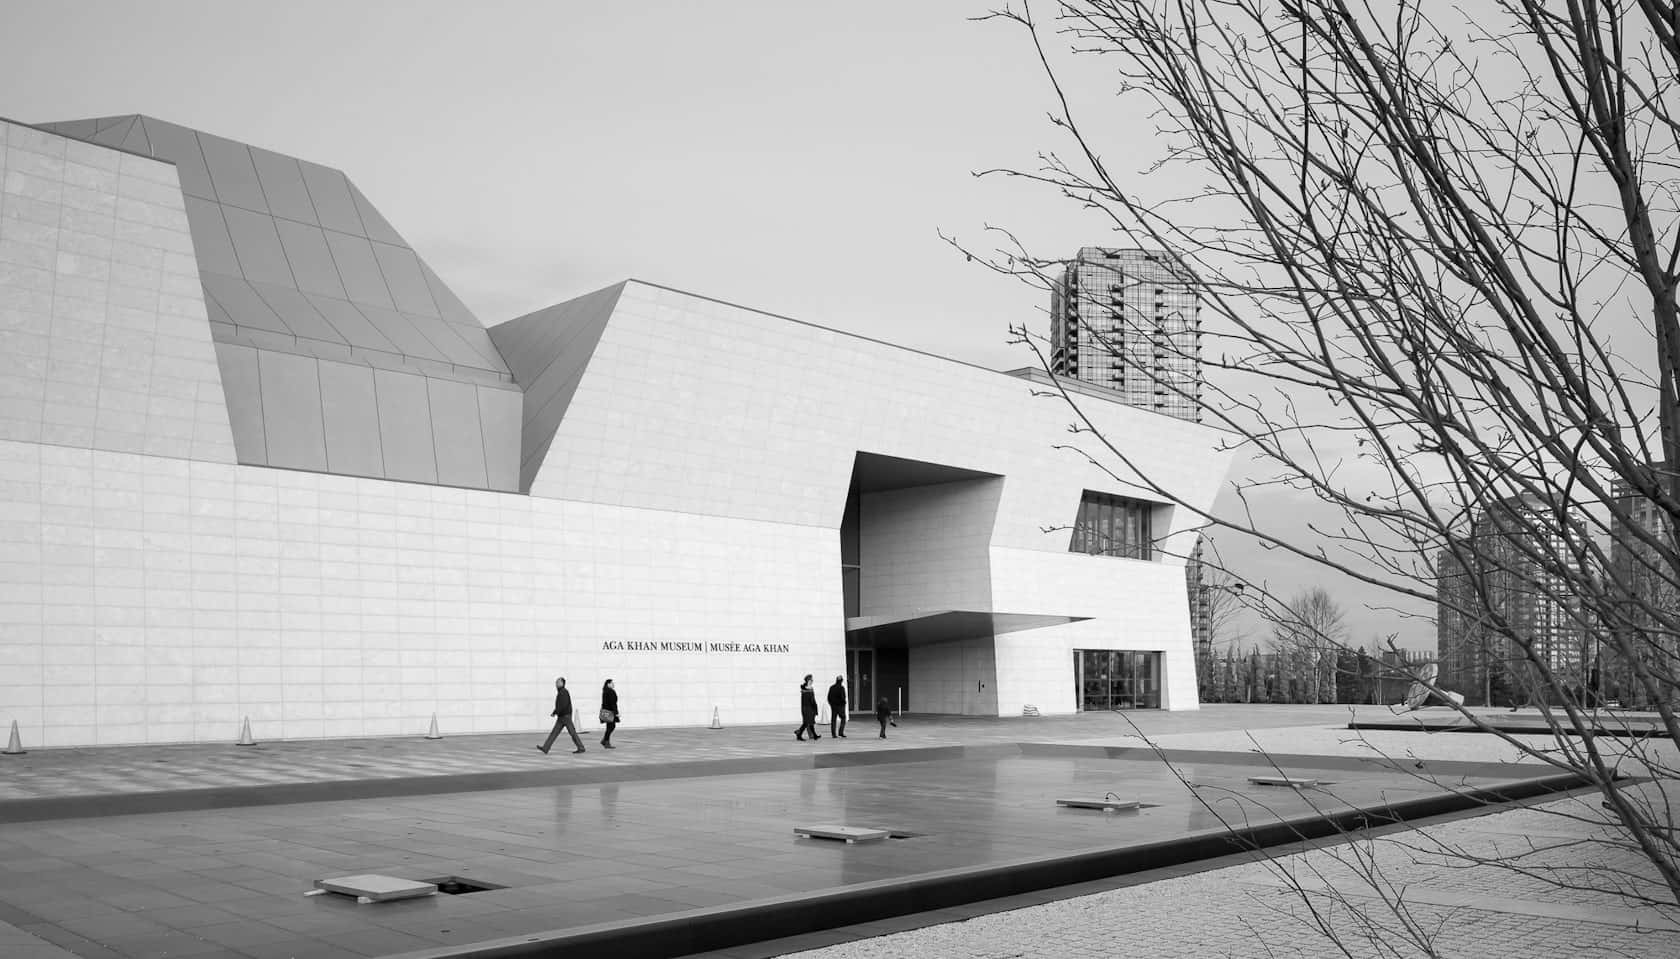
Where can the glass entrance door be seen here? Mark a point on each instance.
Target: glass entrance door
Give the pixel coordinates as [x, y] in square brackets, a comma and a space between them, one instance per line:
[1107, 679]
[860, 678]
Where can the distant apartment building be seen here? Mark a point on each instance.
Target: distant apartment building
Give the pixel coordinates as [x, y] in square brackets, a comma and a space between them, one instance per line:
[1465, 646]
[1130, 321]
[1506, 583]
[1653, 595]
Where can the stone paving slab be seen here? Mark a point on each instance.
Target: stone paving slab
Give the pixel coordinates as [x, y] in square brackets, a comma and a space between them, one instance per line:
[17, 944]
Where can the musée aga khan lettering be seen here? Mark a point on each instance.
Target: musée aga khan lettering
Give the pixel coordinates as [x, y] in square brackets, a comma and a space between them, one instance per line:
[258, 460]
[634, 645]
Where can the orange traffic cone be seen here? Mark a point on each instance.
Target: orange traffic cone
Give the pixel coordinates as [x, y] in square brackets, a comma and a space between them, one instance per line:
[245, 734]
[716, 724]
[433, 732]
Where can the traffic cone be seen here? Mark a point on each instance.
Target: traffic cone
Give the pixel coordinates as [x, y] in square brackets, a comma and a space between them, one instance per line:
[15, 746]
[716, 723]
[245, 734]
[433, 732]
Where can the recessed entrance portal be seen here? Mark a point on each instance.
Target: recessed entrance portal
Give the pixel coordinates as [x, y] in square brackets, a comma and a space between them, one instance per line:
[900, 516]
[1106, 679]
[916, 582]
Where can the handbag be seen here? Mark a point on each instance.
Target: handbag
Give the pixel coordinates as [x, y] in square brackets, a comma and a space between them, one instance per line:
[608, 716]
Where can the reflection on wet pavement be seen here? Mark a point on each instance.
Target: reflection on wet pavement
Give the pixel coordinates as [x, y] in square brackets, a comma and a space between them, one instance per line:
[232, 881]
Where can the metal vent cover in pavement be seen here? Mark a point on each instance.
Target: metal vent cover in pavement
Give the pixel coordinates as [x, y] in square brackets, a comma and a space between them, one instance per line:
[853, 834]
[373, 887]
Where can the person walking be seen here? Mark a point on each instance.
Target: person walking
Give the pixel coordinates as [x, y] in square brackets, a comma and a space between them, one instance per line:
[562, 718]
[807, 710]
[609, 712]
[837, 708]
[883, 715]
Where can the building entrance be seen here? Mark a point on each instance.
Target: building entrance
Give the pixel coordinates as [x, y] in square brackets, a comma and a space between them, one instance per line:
[1107, 679]
[860, 679]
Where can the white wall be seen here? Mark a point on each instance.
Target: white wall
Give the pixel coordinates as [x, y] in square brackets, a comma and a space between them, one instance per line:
[104, 341]
[926, 548]
[762, 417]
[1133, 604]
[699, 406]
[154, 600]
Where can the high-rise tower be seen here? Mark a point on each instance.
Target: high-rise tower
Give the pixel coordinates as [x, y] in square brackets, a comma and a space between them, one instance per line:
[1505, 585]
[1641, 570]
[1130, 320]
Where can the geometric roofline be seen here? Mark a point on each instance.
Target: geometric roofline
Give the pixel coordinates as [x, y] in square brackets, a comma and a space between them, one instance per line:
[340, 350]
[1025, 372]
[296, 258]
[548, 352]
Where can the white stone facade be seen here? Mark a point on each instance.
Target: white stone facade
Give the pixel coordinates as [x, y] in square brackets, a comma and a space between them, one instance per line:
[151, 599]
[153, 590]
[104, 339]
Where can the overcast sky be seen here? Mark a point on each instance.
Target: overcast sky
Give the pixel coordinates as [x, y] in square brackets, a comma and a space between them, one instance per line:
[798, 158]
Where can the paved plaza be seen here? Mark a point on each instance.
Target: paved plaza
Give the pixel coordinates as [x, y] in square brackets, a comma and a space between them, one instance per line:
[207, 850]
[58, 773]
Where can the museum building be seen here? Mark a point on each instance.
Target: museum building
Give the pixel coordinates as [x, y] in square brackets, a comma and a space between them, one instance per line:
[257, 461]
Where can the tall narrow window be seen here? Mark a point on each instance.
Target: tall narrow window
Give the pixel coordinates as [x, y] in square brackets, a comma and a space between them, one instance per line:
[1109, 525]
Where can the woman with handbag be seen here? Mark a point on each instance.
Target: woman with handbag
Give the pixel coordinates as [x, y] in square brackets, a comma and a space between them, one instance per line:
[609, 712]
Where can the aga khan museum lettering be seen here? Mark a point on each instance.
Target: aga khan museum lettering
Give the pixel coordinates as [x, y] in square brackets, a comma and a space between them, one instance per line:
[638, 646]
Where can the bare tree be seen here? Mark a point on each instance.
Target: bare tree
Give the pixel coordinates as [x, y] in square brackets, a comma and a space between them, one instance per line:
[1225, 607]
[1436, 250]
[1307, 634]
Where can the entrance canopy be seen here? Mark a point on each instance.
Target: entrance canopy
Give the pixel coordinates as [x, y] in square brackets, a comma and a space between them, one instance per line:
[874, 473]
[942, 626]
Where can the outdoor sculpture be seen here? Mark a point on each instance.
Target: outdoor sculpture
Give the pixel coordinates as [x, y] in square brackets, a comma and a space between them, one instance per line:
[1419, 694]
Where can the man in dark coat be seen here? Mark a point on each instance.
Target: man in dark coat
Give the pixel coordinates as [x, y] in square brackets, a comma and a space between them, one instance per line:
[837, 708]
[563, 718]
[884, 715]
[807, 710]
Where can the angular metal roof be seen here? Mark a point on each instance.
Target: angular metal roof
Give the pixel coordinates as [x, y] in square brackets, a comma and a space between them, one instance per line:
[550, 349]
[295, 259]
[340, 350]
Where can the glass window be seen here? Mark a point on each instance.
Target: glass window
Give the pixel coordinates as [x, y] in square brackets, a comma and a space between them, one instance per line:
[1107, 679]
[1108, 525]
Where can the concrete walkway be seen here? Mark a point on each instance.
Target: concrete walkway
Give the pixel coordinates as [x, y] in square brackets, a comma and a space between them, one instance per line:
[114, 771]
